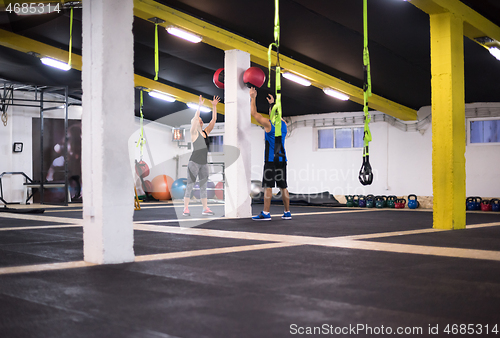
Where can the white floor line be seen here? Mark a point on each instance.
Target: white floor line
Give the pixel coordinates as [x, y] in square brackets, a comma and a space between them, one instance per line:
[482, 225]
[269, 237]
[44, 267]
[392, 233]
[41, 218]
[36, 227]
[417, 249]
[72, 210]
[228, 234]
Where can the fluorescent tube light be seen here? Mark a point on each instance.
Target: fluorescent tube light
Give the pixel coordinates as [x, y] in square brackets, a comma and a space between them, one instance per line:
[336, 94]
[203, 109]
[296, 78]
[55, 63]
[184, 34]
[161, 96]
[495, 51]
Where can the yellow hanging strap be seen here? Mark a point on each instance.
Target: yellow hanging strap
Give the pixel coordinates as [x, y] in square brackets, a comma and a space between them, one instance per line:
[142, 140]
[365, 173]
[157, 61]
[137, 204]
[70, 35]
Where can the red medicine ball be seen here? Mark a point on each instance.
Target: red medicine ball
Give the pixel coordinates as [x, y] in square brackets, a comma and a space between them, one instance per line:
[141, 168]
[219, 78]
[254, 77]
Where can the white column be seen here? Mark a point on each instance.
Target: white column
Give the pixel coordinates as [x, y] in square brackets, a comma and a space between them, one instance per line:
[107, 123]
[237, 135]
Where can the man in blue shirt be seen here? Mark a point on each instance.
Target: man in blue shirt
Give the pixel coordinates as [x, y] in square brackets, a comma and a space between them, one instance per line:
[274, 168]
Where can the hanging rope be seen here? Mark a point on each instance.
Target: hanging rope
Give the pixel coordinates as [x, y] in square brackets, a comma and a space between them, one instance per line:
[70, 35]
[142, 140]
[365, 173]
[4, 118]
[5, 104]
[157, 61]
[276, 112]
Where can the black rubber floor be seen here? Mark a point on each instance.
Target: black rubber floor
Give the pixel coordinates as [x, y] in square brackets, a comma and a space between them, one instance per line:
[278, 292]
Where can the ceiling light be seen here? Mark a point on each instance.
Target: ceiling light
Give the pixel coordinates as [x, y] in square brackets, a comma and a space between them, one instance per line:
[55, 63]
[184, 34]
[203, 109]
[296, 78]
[336, 94]
[495, 51]
[161, 96]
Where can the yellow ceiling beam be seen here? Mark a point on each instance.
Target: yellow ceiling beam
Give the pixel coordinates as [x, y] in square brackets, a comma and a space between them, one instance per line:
[222, 39]
[475, 25]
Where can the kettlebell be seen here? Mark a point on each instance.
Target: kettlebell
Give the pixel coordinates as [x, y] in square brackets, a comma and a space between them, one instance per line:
[380, 202]
[400, 203]
[391, 201]
[370, 201]
[362, 201]
[355, 201]
[348, 201]
[495, 204]
[470, 203]
[477, 203]
[413, 203]
[485, 205]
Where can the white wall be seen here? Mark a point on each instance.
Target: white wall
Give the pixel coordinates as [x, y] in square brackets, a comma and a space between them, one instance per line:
[401, 161]
[482, 163]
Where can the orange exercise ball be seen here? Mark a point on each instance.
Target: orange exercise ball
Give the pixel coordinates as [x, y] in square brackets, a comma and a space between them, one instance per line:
[161, 187]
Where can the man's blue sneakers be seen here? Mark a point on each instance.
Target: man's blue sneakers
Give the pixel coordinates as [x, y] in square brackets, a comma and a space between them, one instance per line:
[287, 215]
[262, 217]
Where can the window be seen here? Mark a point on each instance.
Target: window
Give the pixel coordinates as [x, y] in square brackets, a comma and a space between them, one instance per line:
[216, 144]
[325, 138]
[351, 137]
[484, 131]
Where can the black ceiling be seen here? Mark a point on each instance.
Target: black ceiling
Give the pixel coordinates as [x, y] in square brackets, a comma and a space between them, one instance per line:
[324, 34]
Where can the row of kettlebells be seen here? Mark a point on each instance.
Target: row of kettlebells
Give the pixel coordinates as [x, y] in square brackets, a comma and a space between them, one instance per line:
[370, 201]
[477, 203]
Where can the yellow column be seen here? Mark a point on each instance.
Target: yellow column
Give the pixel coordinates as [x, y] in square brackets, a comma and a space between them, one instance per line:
[448, 121]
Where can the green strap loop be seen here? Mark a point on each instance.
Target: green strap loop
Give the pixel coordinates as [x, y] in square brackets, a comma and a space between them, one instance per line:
[365, 173]
[367, 88]
[276, 112]
[70, 35]
[277, 22]
[142, 140]
[157, 61]
[269, 51]
[277, 116]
